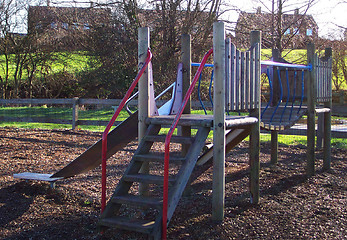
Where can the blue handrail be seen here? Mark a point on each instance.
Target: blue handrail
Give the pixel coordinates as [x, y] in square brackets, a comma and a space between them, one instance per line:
[198, 64]
[202, 104]
[287, 65]
[271, 92]
[210, 89]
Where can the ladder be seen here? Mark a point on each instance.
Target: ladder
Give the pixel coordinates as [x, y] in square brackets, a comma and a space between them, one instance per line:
[129, 210]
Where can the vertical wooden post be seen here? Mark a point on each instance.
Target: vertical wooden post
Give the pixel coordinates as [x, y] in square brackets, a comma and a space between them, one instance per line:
[143, 104]
[275, 82]
[218, 185]
[327, 124]
[75, 113]
[186, 60]
[342, 97]
[320, 130]
[254, 142]
[274, 147]
[311, 102]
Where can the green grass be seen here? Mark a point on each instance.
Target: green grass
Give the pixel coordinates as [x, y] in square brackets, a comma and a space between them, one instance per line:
[105, 114]
[74, 62]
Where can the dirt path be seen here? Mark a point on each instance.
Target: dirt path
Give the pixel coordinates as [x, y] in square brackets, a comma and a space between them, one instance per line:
[292, 207]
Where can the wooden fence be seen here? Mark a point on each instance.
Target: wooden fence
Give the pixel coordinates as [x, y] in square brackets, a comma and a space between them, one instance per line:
[75, 103]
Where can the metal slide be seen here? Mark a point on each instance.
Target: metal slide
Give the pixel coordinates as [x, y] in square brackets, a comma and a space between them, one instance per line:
[118, 138]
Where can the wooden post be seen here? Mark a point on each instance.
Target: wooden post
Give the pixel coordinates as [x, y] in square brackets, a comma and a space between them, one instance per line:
[75, 113]
[274, 147]
[186, 60]
[254, 142]
[143, 100]
[320, 130]
[311, 103]
[327, 124]
[275, 82]
[341, 97]
[218, 185]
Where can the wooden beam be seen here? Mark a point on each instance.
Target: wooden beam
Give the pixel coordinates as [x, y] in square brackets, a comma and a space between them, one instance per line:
[274, 147]
[186, 81]
[254, 140]
[327, 123]
[311, 102]
[218, 186]
[143, 103]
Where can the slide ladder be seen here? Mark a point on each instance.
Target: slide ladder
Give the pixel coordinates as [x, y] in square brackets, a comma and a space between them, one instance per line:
[129, 210]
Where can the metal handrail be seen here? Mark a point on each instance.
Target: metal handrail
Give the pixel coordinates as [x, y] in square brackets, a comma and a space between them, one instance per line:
[168, 139]
[287, 65]
[109, 125]
[137, 93]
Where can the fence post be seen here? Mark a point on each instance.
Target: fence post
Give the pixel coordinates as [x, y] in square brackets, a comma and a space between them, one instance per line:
[311, 103]
[75, 101]
[341, 97]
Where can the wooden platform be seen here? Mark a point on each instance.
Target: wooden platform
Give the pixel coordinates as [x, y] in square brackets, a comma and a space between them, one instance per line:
[202, 120]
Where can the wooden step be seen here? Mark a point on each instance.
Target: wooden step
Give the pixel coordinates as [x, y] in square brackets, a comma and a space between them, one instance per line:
[174, 139]
[185, 120]
[144, 226]
[146, 178]
[138, 200]
[157, 158]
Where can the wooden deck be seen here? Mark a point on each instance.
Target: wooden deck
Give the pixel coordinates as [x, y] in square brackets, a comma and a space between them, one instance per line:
[202, 120]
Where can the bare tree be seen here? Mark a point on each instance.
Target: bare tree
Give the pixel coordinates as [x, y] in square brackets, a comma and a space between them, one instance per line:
[285, 23]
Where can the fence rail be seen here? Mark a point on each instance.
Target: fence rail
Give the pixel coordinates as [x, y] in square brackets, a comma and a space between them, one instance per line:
[75, 103]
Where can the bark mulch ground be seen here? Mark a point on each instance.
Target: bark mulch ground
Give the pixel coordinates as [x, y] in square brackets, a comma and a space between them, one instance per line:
[291, 207]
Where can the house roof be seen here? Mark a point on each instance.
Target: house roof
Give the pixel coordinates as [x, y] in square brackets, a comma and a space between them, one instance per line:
[262, 21]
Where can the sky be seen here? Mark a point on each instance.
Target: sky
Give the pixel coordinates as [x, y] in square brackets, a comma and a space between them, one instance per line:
[326, 13]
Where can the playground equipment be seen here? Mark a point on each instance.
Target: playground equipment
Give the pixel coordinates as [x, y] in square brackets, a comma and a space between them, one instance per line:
[236, 88]
[145, 202]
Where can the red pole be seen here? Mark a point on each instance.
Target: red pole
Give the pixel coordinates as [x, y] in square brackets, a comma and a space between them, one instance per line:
[109, 125]
[168, 139]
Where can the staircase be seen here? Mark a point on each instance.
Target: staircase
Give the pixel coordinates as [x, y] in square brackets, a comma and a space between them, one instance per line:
[129, 210]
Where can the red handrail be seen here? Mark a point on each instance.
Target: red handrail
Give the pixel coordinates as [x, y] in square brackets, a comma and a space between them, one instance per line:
[109, 125]
[168, 139]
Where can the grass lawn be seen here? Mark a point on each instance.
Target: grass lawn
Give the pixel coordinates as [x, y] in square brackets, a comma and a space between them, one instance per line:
[105, 114]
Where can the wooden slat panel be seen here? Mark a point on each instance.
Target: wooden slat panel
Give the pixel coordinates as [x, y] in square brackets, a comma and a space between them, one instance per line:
[228, 88]
[247, 79]
[242, 80]
[233, 77]
[257, 75]
[241, 73]
[237, 79]
[252, 67]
